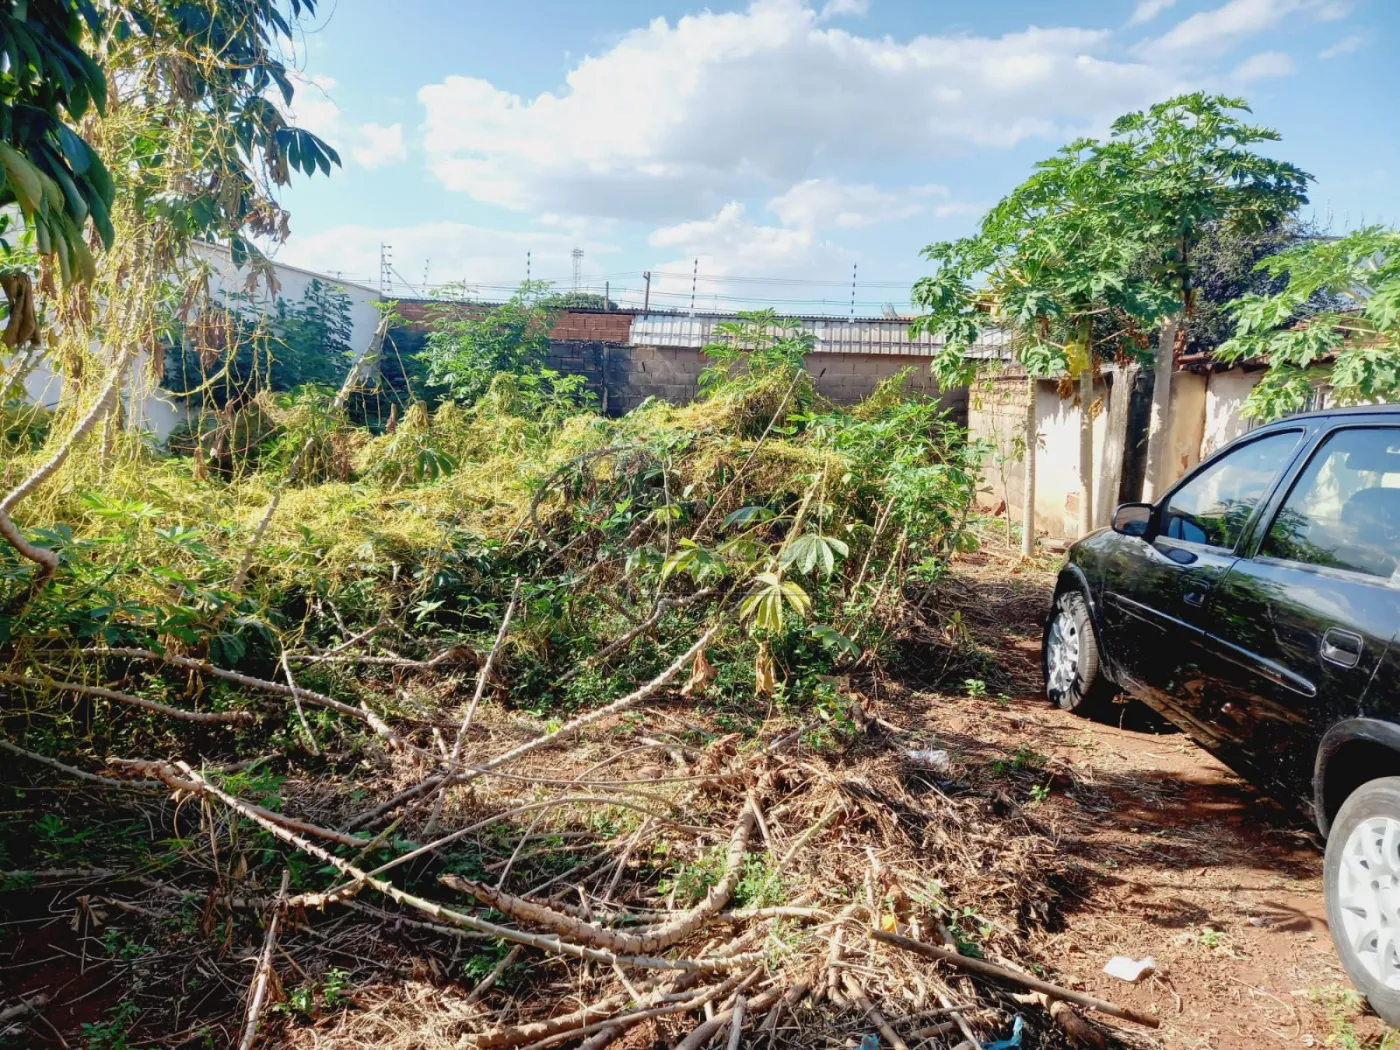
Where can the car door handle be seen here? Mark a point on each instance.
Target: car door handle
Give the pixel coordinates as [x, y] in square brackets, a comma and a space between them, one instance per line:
[1342, 647]
[1194, 593]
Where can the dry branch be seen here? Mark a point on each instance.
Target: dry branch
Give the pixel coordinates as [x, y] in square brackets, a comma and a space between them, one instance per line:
[264, 973]
[127, 698]
[632, 699]
[81, 774]
[858, 996]
[364, 714]
[482, 678]
[1001, 973]
[196, 785]
[187, 776]
[654, 938]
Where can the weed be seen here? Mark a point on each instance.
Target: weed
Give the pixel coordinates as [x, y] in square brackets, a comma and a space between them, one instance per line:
[975, 687]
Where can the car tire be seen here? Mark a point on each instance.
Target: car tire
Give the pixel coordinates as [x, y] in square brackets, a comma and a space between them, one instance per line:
[1069, 658]
[1361, 882]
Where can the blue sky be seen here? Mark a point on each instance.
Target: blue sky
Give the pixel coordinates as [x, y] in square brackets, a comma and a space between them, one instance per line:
[781, 142]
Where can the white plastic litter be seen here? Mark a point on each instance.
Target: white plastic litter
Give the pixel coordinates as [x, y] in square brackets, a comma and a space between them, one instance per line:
[1130, 970]
[935, 759]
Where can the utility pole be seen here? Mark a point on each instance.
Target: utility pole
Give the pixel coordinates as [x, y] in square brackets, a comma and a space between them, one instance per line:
[607, 291]
[694, 276]
[426, 263]
[527, 269]
[386, 269]
[853, 290]
[646, 296]
[577, 253]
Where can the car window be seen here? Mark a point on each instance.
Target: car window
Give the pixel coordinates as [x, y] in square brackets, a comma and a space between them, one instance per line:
[1344, 510]
[1213, 507]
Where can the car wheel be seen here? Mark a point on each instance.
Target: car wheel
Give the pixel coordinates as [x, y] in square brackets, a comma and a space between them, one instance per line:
[1070, 656]
[1361, 880]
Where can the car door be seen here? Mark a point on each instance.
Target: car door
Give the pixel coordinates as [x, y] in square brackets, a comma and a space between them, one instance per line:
[1295, 631]
[1155, 588]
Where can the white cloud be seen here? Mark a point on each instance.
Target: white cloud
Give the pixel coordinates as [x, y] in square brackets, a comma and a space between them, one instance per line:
[1262, 67]
[729, 245]
[314, 109]
[675, 119]
[379, 146]
[1344, 46]
[1147, 10]
[457, 252]
[1216, 31]
[844, 8]
[829, 203]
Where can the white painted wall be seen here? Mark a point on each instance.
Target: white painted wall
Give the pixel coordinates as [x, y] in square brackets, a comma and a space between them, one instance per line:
[1057, 463]
[154, 411]
[1225, 393]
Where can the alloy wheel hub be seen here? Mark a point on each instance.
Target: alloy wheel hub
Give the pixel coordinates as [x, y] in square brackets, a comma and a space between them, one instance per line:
[1368, 896]
[1062, 654]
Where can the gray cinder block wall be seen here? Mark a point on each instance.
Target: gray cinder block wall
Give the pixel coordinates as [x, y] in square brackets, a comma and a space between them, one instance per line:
[623, 376]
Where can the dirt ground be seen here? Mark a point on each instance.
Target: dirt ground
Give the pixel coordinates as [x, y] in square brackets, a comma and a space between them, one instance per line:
[1174, 856]
[1161, 851]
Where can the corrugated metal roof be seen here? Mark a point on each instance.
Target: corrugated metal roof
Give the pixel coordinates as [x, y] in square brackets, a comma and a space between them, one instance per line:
[832, 336]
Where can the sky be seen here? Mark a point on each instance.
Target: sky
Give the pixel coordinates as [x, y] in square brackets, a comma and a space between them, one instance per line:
[777, 151]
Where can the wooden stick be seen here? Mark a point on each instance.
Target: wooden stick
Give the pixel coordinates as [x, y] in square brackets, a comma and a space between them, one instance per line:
[482, 678]
[858, 996]
[736, 1023]
[647, 941]
[495, 975]
[193, 786]
[23, 1007]
[437, 911]
[1001, 973]
[264, 974]
[319, 699]
[127, 698]
[82, 774]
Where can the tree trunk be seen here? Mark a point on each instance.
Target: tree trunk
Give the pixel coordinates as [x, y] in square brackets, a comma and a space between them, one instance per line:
[1032, 433]
[1115, 442]
[1086, 448]
[1158, 431]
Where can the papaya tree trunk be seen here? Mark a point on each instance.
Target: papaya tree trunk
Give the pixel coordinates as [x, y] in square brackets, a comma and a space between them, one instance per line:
[1031, 436]
[1086, 448]
[1158, 430]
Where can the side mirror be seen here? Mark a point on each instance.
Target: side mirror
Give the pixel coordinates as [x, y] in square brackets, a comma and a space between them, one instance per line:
[1133, 519]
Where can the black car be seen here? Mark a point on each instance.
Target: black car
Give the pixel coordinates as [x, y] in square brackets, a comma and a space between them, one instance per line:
[1257, 607]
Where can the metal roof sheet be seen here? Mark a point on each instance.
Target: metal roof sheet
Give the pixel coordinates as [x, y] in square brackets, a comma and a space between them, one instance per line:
[832, 336]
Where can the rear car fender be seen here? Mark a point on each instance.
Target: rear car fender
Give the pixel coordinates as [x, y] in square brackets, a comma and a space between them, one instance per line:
[1352, 752]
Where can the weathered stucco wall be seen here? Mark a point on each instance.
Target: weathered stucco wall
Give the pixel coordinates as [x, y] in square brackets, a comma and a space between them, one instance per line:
[996, 412]
[1225, 395]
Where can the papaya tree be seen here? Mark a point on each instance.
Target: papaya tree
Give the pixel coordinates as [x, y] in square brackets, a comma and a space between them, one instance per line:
[1182, 171]
[1352, 346]
[1055, 264]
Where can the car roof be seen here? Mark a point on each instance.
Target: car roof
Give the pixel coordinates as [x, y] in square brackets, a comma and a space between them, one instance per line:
[1329, 413]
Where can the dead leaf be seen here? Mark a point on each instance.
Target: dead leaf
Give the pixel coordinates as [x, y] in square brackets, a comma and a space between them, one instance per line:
[702, 673]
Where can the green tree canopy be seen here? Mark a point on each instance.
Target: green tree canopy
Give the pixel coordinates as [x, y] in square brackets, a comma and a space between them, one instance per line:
[1359, 334]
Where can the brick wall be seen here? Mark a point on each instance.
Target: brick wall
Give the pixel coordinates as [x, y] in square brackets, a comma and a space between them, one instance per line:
[613, 326]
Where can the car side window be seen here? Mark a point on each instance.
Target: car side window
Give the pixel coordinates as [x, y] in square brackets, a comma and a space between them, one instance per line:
[1344, 510]
[1213, 507]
